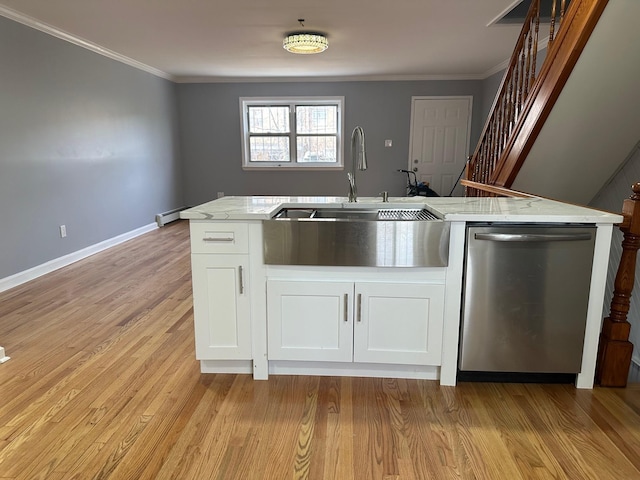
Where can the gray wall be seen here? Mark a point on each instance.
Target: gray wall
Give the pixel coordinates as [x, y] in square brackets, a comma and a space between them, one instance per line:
[209, 119]
[85, 141]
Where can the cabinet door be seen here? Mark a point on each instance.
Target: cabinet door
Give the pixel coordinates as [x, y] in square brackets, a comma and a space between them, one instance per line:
[221, 306]
[310, 321]
[398, 323]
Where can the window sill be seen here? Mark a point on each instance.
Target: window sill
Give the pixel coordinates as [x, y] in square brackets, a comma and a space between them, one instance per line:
[292, 167]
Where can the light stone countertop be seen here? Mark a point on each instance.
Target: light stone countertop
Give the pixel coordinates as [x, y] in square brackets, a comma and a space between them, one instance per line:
[470, 209]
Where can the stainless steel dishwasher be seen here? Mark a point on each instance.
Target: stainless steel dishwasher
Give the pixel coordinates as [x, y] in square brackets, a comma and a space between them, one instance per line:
[526, 290]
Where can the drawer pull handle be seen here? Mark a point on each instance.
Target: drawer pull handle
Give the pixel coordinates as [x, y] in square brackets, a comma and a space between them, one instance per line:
[346, 307]
[214, 239]
[241, 279]
[359, 307]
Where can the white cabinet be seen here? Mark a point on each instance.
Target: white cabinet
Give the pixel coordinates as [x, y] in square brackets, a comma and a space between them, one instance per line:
[310, 320]
[221, 293]
[368, 322]
[398, 323]
[221, 307]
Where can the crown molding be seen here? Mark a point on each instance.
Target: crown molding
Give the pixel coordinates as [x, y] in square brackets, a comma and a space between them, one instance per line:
[356, 78]
[498, 68]
[542, 44]
[498, 17]
[67, 37]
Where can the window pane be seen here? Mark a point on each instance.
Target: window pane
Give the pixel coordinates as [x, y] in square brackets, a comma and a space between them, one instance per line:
[317, 119]
[269, 149]
[316, 149]
[269, 119]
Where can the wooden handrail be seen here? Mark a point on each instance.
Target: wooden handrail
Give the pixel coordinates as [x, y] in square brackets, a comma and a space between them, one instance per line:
[615, 349]
[516, 118]
[485, 190]
[495, 191]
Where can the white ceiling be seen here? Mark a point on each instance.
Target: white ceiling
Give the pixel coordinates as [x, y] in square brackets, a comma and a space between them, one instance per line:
[230, 40]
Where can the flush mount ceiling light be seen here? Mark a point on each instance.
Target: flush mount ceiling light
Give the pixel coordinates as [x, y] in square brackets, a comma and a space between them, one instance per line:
[305, 42]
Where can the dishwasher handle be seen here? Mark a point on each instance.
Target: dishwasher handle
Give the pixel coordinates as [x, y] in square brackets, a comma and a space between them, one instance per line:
[533, 237]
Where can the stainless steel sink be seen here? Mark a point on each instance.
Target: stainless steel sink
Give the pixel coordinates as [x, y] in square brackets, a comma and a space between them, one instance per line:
[356, 214]
[295, 213]
[346, 214]
[356, 237]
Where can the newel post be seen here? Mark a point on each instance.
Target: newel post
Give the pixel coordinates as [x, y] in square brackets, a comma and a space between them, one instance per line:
[615, 349]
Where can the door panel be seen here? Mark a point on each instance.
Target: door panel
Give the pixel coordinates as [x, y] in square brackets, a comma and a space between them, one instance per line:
[440, 128]
[221, 306]
[398, 323]
[310, 320]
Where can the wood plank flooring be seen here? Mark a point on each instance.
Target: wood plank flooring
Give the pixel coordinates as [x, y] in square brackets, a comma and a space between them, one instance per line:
[103, 384]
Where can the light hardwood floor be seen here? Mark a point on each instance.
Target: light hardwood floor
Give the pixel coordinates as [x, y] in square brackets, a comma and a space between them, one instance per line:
[103, 383]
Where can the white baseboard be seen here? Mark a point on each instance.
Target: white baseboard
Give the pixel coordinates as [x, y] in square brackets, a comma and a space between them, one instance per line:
[52, 265]
[226, 366]
[337, 369]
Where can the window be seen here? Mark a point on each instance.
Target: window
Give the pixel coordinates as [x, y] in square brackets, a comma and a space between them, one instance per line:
[292, 132]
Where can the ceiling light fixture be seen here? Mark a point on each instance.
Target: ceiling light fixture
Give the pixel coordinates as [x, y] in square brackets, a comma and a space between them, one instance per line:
[305, 42]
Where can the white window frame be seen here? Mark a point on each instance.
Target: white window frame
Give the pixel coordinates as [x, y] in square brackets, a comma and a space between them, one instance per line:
[292, 102]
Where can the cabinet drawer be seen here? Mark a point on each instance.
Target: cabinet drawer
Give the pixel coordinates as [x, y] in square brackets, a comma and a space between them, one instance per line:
[219, 237]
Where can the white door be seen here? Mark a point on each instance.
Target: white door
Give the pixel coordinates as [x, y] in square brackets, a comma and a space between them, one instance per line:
[439, 143]
[221, 306]
[398, 323]
[310, 321]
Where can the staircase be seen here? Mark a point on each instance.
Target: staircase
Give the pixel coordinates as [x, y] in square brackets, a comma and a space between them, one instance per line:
[575, 121]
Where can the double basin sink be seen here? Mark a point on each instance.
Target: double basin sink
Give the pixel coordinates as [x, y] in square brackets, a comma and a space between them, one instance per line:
[369, 237]
[371, 214]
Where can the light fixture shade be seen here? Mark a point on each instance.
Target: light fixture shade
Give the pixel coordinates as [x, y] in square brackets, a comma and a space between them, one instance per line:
[305, 43]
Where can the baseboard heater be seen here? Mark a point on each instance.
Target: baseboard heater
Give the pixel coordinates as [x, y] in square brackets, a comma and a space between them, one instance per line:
[163, 218]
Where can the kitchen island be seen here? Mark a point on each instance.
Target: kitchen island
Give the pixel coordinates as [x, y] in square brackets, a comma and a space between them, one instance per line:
[258, 318]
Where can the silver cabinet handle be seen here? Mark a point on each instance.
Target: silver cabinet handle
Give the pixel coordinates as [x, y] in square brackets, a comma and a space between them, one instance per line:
[359, 307]
[532, 237]
[221, 239]
[346, 307]
[241, 279]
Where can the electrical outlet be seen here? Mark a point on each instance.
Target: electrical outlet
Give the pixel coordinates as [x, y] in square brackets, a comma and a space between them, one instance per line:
[220, 194]
[63, 231]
